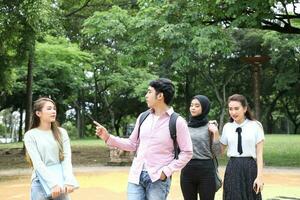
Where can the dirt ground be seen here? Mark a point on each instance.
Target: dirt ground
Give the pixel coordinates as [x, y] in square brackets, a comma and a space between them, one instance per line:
[98, 181]
[104, 182]
[87, 156]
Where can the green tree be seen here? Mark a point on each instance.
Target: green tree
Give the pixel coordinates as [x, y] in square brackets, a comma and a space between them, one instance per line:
[284, 75]
[23, 23]
[108, 36]
[277, 15]
[59, 73]
[10, 35]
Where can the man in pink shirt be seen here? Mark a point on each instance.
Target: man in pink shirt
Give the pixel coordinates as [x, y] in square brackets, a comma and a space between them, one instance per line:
[154, 163]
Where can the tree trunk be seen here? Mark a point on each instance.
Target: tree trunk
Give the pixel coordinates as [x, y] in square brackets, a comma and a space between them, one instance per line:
[256, 69]
[296, 128]
[20, 125]
[82, 120]
[78, 124]
[187, 96]
[117, 129]
[222, 102]
[81, 126]
[256, 63]
[291, 118]
[29, 86]
[96, 110]
[270, 123]
[79, 119]
[111, 112]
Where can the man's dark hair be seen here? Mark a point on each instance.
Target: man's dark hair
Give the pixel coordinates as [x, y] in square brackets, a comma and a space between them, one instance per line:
[165, 86]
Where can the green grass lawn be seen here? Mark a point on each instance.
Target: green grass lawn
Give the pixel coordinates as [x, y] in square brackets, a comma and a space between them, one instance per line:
[282, 150]
[11, 145]
[279, 150]
[87, 142]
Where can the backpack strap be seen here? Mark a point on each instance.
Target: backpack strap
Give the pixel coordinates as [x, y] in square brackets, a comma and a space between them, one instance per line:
[144, 115]
[172, 128]
[173, 133]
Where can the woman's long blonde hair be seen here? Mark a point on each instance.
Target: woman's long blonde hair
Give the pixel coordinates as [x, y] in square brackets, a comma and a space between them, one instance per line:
[35, 122]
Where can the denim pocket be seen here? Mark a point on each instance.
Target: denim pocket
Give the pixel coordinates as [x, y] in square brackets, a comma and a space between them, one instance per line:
[37, 191]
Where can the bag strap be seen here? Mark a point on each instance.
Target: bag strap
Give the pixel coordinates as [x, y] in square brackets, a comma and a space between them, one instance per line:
[173, 133]
[144, 115]
[172, 129]
[216, 163]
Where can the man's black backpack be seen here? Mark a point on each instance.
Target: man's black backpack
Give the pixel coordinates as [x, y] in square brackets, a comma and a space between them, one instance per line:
[172, 128]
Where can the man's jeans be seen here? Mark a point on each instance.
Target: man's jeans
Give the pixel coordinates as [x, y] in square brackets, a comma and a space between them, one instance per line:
[147, 190]
[38, 193]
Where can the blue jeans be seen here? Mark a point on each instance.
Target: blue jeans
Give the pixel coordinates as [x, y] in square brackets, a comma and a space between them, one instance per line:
[146, 190]
[38, 193]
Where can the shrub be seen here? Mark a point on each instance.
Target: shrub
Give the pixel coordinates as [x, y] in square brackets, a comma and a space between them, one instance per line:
[72, 130]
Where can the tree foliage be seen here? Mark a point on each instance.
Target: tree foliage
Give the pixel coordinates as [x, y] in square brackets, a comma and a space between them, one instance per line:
[102, 54]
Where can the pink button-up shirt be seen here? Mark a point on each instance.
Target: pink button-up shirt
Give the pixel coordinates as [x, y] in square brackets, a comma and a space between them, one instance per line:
[155, 149]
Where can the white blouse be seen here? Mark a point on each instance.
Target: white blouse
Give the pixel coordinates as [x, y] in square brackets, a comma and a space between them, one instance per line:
[252, 134]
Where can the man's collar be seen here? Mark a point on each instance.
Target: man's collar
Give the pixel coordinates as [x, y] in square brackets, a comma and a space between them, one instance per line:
[169, 111]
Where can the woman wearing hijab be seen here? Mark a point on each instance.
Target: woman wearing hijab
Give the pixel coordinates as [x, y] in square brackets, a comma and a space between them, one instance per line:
[198, 176]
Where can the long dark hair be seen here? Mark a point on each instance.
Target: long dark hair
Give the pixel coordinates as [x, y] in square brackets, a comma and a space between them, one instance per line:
[35, 122]
[240, 98]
